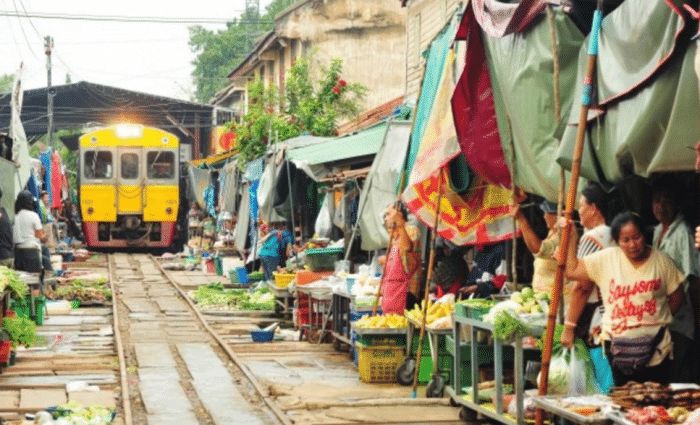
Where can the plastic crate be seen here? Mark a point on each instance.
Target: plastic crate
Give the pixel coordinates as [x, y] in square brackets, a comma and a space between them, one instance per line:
[23, 308]
[378, 365]
[322, 259]
[477, 313]
[382, 340]
[282, 280]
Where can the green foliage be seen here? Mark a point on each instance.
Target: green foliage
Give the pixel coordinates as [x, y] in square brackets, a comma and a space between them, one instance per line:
[219, 52]
[9, 280]
[22, 331]
[6, 81]
[309, 107]
[215, 296]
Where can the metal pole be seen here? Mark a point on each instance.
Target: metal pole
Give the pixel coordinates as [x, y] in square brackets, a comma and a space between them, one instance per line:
[291, 206]
[570, 202]
[48, 46]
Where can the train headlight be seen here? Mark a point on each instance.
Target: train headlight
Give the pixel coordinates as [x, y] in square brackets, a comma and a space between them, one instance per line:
[129, 131]
[168, 210]
[90, 210]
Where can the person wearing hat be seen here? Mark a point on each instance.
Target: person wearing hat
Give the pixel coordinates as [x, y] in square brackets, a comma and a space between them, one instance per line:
[7, 256]
[545, 266]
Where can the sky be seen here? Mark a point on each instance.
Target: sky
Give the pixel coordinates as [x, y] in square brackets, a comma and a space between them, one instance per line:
[153, 58]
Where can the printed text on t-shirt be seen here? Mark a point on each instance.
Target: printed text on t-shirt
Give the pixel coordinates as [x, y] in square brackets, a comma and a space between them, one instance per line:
[627, 305]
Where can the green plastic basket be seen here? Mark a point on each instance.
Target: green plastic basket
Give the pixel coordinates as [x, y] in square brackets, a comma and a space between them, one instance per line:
[23, 308]
[322, 259]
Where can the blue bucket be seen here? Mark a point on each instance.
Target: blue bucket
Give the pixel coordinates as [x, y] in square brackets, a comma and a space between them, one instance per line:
[262, 336]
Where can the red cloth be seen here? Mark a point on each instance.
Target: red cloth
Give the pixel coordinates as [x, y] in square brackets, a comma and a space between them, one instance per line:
[56, 180]
[454, 289]
[395, 284]
[474, 110]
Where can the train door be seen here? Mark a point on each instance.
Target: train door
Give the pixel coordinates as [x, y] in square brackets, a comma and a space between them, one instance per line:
[130, 181]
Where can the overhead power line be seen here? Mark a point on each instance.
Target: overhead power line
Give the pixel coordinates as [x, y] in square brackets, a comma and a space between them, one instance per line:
[135, 19]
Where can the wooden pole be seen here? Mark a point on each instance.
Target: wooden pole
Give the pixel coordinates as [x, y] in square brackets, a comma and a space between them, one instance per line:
[586, 101]
[429, 277]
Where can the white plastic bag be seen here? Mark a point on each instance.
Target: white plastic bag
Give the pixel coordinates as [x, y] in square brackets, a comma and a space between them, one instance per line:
[568, 375]
[324, 222]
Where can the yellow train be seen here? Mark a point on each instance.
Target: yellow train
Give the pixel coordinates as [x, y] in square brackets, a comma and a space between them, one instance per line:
[129, 187]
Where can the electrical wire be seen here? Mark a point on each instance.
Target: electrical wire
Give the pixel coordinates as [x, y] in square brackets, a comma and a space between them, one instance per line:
[26, 39]
[133, 19]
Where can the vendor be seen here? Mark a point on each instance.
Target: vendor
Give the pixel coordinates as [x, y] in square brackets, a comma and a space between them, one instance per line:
[545, 266]
[596, 236]
[275, 244]
[401, 278]
[450, 274]
[673, 237]
[28, 234]
[640, 289]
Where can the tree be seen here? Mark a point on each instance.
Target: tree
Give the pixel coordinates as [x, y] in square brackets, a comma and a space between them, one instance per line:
[6, 81]
[310, 108]
[219, 52]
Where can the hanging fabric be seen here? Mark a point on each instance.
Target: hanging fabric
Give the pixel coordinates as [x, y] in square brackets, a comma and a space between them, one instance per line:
[56, 181]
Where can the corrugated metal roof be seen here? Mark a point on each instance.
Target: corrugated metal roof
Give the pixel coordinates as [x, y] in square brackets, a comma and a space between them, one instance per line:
[363, 143]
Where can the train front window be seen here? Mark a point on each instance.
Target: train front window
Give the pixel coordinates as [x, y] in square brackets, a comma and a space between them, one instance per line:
[160, 165]
[97, 164]
[130, 165]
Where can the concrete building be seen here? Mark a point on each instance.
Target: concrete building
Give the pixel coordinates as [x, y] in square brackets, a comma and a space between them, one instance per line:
[368, 35]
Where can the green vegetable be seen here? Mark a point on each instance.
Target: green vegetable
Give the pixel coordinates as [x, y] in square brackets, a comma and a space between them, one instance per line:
[9, 279]
[215, 295]
[75, 414]
[506, 327]
[478, 303]
[22, 331]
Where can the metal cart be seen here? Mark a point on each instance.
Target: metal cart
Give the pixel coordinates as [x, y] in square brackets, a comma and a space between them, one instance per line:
[319, 312]
[404, 375]
[471, 408]
[283, 298]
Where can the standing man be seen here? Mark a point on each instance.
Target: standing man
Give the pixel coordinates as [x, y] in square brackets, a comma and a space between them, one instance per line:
[7, 256]
[672, 236]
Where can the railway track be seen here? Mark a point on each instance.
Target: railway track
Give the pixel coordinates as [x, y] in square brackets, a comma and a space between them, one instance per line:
[174, 368]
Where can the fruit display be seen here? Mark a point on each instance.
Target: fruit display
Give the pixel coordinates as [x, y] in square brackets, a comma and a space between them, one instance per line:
[390, 321]
[530, 303]
[438, 313]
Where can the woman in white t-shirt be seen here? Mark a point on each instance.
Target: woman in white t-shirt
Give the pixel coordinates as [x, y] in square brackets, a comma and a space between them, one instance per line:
[640, 289]
[28, 235]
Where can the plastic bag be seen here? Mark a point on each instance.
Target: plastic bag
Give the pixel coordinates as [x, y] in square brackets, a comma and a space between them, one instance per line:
[324, 224]
[570, 375]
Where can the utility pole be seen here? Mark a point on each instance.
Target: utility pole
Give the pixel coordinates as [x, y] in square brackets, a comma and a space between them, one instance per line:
[48, 46]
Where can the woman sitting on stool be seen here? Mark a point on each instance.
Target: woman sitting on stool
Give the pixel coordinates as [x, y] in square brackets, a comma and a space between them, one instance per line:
[28, 234]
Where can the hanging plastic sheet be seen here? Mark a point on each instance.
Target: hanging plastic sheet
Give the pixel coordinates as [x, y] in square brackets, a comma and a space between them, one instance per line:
[380, 186]
[474, 110]
[521, 71]
[270, 181]
[199, 180]
[240, 236]
[228, 194]
[253, 205]
[478, 216]
[647, 93]
[254, 169]
[20, 147]
[436, 57]
[45, 158]
[56, 181]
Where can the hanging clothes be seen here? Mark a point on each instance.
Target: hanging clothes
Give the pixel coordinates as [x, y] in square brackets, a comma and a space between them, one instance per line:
[56, 181]
[45, 158]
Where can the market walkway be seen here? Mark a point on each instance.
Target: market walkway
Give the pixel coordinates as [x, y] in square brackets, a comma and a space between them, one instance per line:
[313, 383]
[177, 373]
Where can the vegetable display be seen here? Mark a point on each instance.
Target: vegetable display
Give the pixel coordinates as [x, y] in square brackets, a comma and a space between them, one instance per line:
[73, 413]
[506, 327]
[84, 290]
[9, 280]
[215, 296]
[391, 321]
[22, 331]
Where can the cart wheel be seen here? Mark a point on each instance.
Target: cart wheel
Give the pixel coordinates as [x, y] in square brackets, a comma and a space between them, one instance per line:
[405, 372]
[337, 345]
[436, 387]
[467, 415]
[453, 403]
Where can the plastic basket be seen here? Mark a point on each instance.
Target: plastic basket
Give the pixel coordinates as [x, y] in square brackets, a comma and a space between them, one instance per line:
[23, 308]
[282, 280]
[5, 348]
[321, 259]
[382, 340]
[378, 365]
[262, 336]
[477, 313]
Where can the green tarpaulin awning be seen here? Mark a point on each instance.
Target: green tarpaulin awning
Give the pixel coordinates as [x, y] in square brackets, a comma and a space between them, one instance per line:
[363, 143]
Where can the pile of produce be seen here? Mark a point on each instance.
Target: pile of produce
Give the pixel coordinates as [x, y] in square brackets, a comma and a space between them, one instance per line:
[439, 313]
[478, 303]
[391, 321]
[20, 330]
[214, 296]
[73, 413]
[9, 280]
[85, 290]
[649, 415]
[514, 317]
